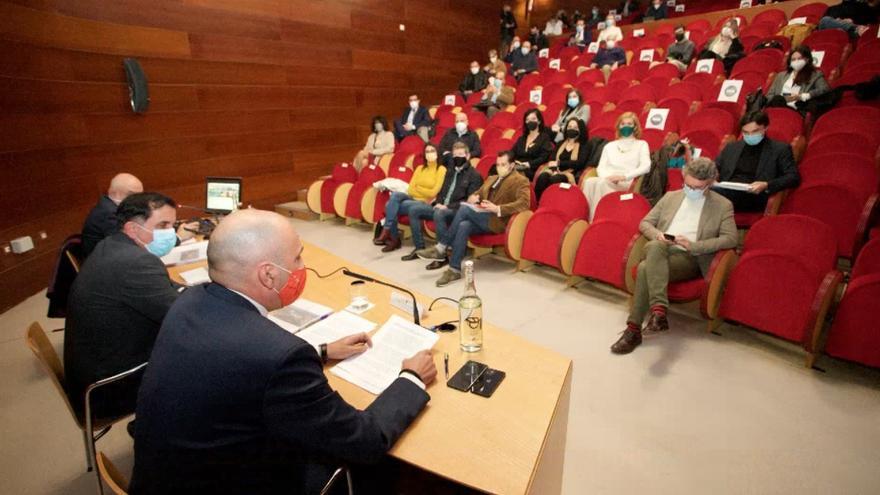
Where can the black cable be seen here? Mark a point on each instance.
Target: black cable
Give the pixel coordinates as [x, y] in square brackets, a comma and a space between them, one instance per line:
[334, 272]
[431, 306]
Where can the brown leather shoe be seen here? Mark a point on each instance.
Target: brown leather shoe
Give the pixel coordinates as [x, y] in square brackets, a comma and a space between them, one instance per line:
[392, 244]
[657, 323]
[384, 236]
[627, 342]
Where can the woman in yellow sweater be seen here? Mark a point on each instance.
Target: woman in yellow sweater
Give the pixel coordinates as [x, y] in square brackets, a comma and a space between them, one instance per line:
[424, 185]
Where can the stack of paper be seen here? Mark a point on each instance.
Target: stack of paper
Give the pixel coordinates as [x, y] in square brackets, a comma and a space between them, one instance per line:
[187, 253]
[334, 327]
[734, 186]
[196, 276]
[379, 366]
[299, 314]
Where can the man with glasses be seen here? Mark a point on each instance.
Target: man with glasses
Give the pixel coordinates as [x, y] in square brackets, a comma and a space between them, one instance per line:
[685, 230]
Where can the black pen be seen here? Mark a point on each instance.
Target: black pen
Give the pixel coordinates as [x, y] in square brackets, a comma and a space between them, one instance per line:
[446, 364]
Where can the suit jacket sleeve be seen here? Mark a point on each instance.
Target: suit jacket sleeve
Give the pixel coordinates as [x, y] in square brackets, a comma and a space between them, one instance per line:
[148, 290]
[820, 85]
[786, 175]
[521, 201]
[727, 236]
[476, 152]
[778, 82]
[422, 119]
[398, 124]
[648, 226]
[301, 408]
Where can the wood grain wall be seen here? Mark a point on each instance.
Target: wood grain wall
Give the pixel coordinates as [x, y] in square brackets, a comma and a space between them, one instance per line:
[274, 91]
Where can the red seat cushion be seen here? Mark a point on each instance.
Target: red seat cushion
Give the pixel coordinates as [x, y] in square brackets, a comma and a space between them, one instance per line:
[487, 240]
[685, 291]
[747, 219]
[854, 334]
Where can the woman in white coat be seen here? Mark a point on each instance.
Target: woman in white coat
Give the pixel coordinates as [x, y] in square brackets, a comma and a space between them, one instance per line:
[622, 161]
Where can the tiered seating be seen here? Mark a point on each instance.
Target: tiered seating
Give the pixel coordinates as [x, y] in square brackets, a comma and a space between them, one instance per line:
[347, 198]
[561, 205]
[320, 194]
[373, 201]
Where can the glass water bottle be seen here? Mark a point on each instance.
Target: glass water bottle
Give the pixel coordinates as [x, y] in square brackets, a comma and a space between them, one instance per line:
[470, 313]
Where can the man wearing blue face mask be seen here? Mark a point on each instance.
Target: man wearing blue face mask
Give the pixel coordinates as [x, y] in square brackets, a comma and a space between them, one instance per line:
[685, 230]
[117, 304]
[766, 165]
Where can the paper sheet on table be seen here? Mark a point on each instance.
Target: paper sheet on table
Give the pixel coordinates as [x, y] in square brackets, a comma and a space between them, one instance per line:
[734, 186]
[299, 314]
[334, 327]
[377, 368]
[187, 253]
[195, 276]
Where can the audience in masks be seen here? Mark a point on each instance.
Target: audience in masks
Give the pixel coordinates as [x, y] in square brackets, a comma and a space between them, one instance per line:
[570, 159]
[460, 133]
[474, 82]
[524, 61]
[657, 10]
[680, 52]
[497, 95]
[380, 142]
[495, 64]
[575, 109]
[534, 147]
[415, 121]
[800, 83]
[538, 39]
[508, 27]
[608, 58]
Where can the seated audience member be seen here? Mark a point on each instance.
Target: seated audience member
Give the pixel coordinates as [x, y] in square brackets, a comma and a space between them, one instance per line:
[680, 52]
[490, 209]
[513, 49]
[595, 18]
[628, 7]
[380, 142]
[702, 223]
[495, 64]
[581, 36]
[611, 31]
[117, 303]
[102, 221]
[853, 16]
[570, 161]
[537, 39]
[763, 163]
[423, 187]
[800, 83]
[524, 61]
[496, 96]
[553, 27]
[474, 81]
[233, 403]
[461, 180]
[622, 161]
[574, 109]
[534, 147]
[726, 46]
[608, 58]
[657, 10]
[415, 121]
[459, 133]
[669, 157]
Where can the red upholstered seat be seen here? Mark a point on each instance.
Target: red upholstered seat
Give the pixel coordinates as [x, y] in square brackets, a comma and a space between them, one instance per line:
[342, 173]
[365, 181]
[504, 120]
[485, 164]
[674, 179]
[713, 120]
[678, 113]
[706, 140]
[853, 140]
[560, 205]
[812, 11]
[477, 120]
[398, 172]
[412, 144]
[850, 119]
[868, 261]
[785, 124]
[667, 71]
[857, 172]
[834, 36]
[499, 145]
[520, 112]
[685, 90]
[774, 17]
[706, 81]
[854, 333]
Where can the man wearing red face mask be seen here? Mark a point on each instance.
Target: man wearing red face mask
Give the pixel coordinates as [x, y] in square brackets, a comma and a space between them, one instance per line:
[232, 403]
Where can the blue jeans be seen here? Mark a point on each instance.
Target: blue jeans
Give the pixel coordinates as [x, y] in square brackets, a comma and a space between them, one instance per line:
[424, 211]
[398, 204]
[466, 223]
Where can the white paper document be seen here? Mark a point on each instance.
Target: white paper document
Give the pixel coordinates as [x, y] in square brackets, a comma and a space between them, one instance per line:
[378, 367]
[733, 186]
[334, 327]
[187, 253]
[297, 315]
[196, 276]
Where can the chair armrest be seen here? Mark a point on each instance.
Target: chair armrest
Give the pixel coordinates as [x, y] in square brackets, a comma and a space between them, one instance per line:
[633, 254]
[570, 243]
[868, 218]
[798, 146]
[587, 173]
[514, 234]
[103, 382]
[368, 205]
[814, 332]
[720, 269]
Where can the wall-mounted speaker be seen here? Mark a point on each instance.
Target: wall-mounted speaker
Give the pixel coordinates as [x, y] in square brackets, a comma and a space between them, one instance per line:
[138, 93]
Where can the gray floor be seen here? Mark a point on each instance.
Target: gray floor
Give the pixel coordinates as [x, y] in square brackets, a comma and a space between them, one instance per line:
[688, 412]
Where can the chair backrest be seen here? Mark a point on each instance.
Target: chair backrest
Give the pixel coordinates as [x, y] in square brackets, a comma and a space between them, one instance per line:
[344, 172]
[114, 479]
[627, 208]
[705, 81]
[834, 36]
[67, 265]
[775, 17]
[40, 345]
[785, 124]
[411, 144]
[720, 122]
[370, 174]
[868, 261]
[708, 141]
[685, 90]
[665, 70]
[857, 172]
[852, 140]
[567, 199]
[847, 118]
[812, 11]
[806, 237]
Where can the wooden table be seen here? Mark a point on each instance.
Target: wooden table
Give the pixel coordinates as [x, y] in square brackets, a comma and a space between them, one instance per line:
[513, 442]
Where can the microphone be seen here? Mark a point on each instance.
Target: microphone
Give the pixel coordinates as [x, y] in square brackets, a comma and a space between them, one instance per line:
[365, 278]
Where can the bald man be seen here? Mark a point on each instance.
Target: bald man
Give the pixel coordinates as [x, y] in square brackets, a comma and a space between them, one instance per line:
[232, 403]
[101, 221]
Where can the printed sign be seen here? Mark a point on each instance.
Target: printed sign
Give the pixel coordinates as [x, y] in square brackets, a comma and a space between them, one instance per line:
[730, 90]
[657, 118]
[535, 96]
[646, 55]
[544, 53]
[449, 100]
[593, 48]
[797, 20]
[696, 153]
[618, 17]
[638, 33]
[706, 65]
[745, 4]
[564, 185]
[626, 197]
[818, 57]
[679, 8]
[600, 26]
[344, 165]
[670, 3]
[554, 64]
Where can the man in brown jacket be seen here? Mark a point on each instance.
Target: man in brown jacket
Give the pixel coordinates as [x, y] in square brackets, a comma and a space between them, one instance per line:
[701, 222]
[496, 96]
[487, 211]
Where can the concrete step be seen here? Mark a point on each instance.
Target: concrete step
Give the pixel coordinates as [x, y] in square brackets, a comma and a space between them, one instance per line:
[296, 209]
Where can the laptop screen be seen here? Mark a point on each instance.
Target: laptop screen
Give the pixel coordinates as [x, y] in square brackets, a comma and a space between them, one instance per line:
[223, 194]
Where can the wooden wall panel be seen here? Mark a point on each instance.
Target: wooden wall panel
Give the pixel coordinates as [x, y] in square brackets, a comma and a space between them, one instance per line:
[274, 91]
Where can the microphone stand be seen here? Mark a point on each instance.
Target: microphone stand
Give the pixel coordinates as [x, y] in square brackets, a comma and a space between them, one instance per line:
[365, 278]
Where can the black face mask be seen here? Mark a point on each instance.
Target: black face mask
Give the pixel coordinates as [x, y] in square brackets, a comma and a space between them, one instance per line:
[459, 161]
[531, 125]
[572, 133]
[679, 36]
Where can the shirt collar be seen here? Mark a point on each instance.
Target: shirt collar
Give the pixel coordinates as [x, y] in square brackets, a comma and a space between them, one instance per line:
[260, 307]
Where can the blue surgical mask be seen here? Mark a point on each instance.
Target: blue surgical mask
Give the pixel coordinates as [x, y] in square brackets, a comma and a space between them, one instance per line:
[163, 241]
[573, 101]
[753, 139]
[692, 194]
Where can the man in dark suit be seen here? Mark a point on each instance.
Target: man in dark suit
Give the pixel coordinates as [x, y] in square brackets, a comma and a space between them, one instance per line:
[474, 82]
[117, 304]
[766, 165]
[415, 121]
[523, 61]
[460, 133]
[232, 403]
[101, 221]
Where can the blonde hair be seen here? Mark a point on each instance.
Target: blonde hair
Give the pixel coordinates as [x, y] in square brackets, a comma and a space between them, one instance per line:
[637, 130]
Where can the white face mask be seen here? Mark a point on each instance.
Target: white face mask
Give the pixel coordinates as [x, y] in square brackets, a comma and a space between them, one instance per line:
[798, 64]
[414, 104]
[726, 31]
[461, 127]
[525, 51]
[515, 45]
[475, 70]
[609, 22]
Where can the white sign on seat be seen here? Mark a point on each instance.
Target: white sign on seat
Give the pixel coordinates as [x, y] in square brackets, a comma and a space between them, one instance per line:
[730, 90]
[657, 118]
[705, 65]
[535, 96]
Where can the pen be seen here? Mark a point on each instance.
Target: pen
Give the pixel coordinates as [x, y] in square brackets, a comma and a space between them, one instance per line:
[446, 364]
[316, 320]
